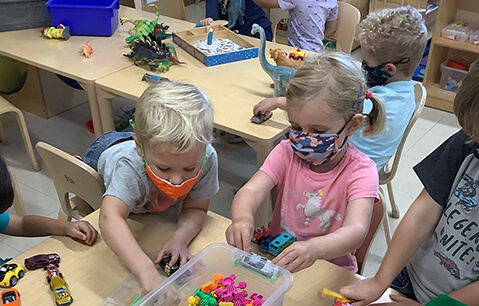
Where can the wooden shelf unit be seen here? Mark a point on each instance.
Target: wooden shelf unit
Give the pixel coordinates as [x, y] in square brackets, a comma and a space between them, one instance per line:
[442, 49]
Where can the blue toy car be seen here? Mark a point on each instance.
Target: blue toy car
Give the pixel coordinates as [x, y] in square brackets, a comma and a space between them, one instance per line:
[280, 243]
[264, 246]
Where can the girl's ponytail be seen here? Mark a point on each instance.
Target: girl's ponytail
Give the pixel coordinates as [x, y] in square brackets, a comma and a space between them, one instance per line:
[378, 117]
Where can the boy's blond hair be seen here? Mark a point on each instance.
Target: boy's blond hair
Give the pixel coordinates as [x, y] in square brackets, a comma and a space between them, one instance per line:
[173, 112]
[338, 79]
[393, 34]
[466, 103]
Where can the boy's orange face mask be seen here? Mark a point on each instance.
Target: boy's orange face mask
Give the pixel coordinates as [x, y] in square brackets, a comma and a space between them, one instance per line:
[173, 191]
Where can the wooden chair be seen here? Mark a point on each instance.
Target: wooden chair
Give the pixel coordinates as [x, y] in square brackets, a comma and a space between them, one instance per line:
[72, 176]
[7, 107]
[387, 173]
[379, 215]
[348, 18]
[171, 8]
[17, 199]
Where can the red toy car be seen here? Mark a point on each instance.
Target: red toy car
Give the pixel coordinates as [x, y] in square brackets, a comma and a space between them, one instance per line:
[260, 234]
[10, 297]
[42, 261]
[52, 271]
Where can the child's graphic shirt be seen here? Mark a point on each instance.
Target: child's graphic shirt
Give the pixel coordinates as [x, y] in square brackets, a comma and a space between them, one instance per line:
[312, 204]
[449, 259]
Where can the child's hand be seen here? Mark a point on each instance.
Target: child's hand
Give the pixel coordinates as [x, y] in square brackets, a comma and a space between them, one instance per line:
[363, 292]
[177, 249]
[266, 105]
[149, 280]
[239, 234]
[83, 231]
[297, 256]
[206, 21]
[398, 301]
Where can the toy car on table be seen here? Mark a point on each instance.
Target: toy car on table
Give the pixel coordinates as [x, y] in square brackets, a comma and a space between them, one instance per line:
[260, 234]
[169, 270]
[59, 288]
[297, 54]
[10, 297]
[10, 273]
[42, 261]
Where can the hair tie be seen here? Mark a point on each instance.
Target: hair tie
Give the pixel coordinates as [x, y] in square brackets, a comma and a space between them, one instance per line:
[369, 94]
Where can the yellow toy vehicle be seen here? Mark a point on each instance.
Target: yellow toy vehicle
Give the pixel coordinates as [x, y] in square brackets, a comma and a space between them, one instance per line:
[10, 273]
[60, 290]
[297, 54]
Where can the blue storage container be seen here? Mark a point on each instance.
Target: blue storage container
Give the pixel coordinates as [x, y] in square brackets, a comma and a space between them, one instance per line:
[85, 17]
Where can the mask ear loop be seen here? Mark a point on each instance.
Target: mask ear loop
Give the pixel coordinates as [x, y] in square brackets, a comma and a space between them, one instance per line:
[132, 123]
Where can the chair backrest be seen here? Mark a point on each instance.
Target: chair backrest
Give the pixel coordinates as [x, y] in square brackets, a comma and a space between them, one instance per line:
[376, 218]
[17, 198]
[171, 8]
[275, 15]
[71, 176]
[348, 18]
[386, 174]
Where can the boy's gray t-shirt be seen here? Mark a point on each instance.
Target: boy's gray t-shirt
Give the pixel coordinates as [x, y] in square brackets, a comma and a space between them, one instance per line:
[124, 175]
[449, 259]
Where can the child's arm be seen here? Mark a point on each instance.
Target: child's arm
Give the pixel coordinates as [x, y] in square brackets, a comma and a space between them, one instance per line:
[267, 3]
[35, 226]
[330, 27]
[416, 225]
[119, 238]
[191, 221]
[349, 237]
[269, 104]
[245, 204]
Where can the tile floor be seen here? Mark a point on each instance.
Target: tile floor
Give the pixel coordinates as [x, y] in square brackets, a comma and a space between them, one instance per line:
[237, 162]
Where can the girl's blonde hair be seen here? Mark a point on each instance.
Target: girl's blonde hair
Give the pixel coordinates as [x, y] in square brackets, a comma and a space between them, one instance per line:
[174, 112]
[338, 79]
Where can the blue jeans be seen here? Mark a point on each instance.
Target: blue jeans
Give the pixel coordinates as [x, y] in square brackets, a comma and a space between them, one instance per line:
[102, 143]
[402, 283]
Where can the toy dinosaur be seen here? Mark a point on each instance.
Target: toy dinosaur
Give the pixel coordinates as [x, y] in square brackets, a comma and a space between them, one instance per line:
[160, 31]
[150, 50]
[235, 12]
[141, 27]
[86, 50]
[279, 74]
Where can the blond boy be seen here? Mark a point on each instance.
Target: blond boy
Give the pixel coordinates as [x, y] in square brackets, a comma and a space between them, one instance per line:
[169, 161]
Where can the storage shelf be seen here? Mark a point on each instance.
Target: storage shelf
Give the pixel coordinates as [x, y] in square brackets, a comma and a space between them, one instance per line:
[458, 45]
[439, 98]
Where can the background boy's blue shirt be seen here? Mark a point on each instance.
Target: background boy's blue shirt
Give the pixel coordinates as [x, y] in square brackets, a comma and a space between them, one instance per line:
[4, 220]
[399, 102]
[252, 14]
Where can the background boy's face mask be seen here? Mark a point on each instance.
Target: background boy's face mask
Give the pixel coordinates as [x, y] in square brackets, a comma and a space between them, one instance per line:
[378, 76]
[171, 190]
[315, 149]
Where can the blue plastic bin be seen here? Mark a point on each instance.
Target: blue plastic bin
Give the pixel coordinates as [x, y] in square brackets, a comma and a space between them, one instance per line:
[85, 17]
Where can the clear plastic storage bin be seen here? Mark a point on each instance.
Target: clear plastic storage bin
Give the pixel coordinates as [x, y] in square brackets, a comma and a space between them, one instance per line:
[224, 259]
[458, 30]
[474, 38]
[451, 78]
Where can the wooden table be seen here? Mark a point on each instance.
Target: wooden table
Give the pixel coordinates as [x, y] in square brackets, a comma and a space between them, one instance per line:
[233, 88]
[63, 57]
[92, 273]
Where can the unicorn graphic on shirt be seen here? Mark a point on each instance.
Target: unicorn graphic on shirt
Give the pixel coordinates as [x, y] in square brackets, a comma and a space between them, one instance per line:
[312, 209]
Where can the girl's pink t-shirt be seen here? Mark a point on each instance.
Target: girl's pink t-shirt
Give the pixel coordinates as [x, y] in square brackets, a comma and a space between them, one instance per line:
[312, 204]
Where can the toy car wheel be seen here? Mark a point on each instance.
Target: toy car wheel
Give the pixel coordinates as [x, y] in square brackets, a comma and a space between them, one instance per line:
[292, 57]
[300, 58]
[260, 240]
[21, 274]
[61, 275]
[13, 281]
[48, 279]
[44, 268]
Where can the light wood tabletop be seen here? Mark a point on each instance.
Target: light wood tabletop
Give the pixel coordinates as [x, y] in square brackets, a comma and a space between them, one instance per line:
[93, 273]
[64, 58]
